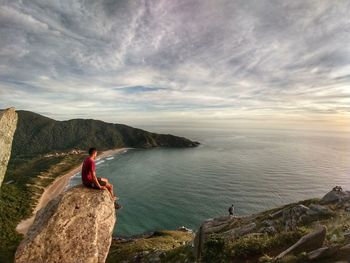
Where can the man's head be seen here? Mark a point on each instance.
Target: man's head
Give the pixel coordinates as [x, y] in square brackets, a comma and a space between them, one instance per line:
[93, 153]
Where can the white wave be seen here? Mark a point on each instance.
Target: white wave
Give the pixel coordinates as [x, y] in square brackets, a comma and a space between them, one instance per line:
[99, 162]
[73, 180]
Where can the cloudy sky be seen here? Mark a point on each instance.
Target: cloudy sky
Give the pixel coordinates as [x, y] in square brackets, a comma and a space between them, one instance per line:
[178, 62]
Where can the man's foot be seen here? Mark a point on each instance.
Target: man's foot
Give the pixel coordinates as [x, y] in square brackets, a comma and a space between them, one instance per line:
[118, 206]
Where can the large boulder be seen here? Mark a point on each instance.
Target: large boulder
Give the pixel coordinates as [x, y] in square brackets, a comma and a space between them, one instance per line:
[74, 227]
[336, 195]
[8, 124]
[307, 243]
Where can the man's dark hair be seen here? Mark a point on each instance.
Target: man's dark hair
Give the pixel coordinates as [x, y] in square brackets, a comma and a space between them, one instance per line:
[92, 150]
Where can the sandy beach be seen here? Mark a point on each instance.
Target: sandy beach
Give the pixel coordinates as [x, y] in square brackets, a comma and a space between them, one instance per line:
[56, 188]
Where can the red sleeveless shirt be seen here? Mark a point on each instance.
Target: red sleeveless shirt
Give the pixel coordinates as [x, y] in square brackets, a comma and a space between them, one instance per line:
[87, 170]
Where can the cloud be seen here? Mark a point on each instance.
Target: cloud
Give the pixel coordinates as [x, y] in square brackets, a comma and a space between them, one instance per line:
[175, 58]
[138, 89]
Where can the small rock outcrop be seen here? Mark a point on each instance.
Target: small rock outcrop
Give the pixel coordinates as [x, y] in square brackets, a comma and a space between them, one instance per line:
[8, 123]
[74, 227]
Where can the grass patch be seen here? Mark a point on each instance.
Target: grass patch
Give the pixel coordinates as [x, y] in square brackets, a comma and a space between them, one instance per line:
[164, 241]
[249, 246]
[179, 254]
[253, 245]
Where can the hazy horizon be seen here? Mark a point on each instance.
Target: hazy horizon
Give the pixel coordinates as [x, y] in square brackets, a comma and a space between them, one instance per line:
[202, 63]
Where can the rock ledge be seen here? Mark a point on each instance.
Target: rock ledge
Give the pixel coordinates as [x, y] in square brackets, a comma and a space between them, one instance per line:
[74, 227]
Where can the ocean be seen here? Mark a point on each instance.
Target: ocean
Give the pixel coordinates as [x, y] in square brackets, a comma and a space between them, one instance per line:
[253, 169]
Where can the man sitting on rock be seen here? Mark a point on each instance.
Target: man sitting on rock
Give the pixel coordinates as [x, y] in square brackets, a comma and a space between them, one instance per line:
[88, 175]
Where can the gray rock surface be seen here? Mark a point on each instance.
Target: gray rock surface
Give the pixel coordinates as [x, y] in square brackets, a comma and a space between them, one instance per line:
[318, 210]
[8, 124]
[307, 243]
[335, 196]
[321, 253]
[74, 227]
[291, 216]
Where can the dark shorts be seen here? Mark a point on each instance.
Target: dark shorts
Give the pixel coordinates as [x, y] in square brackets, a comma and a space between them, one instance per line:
[93, 185]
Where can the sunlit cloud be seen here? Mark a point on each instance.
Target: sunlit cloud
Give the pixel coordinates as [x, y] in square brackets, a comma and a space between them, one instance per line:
[144, 61]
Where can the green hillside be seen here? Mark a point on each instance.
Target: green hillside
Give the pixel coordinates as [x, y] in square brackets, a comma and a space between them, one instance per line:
[37, 134]
[29, 171]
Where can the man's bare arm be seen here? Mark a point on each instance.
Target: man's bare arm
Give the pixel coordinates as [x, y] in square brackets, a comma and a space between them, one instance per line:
[94, 178]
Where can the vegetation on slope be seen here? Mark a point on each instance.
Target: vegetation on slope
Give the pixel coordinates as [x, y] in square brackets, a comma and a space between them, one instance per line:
[261, 246]
[36, 134]
[164, 246]
[23, 185]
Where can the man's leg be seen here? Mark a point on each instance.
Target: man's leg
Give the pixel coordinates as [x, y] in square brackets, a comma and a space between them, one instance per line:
[108, 185]
[110, 188]
[104, 182]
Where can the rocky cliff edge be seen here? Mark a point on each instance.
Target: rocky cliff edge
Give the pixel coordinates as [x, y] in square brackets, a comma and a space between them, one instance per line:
[74, 227]
[8, 123]
[315, 230]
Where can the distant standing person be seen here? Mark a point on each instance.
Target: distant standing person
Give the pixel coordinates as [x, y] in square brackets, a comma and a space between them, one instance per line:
[88, 175]
[230, 210]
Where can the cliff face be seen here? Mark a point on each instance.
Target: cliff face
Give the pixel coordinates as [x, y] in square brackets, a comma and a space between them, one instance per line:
[37, 134]
[74, 227]
[8, 122]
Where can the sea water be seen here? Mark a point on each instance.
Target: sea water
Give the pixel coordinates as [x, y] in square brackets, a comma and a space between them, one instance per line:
[255, 170]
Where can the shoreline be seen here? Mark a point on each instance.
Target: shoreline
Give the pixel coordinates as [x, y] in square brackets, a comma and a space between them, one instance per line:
[55, 189]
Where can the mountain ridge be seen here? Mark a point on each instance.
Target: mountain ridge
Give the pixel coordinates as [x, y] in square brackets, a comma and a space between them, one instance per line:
[38, 134]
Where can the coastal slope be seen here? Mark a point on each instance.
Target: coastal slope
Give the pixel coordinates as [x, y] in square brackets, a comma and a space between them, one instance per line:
[37, 134]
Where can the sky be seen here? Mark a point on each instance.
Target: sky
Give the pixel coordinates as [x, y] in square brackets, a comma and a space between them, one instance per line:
[205, 62]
